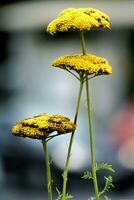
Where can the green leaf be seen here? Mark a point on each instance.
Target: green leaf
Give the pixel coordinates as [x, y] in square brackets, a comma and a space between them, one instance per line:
[57, 190]
[92, 198]
[87, 175]
[104, 166]
[60, 195]
[107, 198]
[108, 185]
[68, 197]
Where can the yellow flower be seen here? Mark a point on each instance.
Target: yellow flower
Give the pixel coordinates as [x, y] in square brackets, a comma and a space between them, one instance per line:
[79, 19]
[41, 126]
[88, 64]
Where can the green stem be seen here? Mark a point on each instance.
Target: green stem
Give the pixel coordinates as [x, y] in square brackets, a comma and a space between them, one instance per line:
[83, 45]
[65, 173]
[91, 141]
[49, 180]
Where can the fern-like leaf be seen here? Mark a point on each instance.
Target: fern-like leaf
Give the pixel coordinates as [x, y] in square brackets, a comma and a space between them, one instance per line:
[108, 185]
[104, 166]
[60, 195]
[87, 175]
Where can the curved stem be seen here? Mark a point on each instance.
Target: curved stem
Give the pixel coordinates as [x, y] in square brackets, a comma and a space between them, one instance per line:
[49, 180]
[72, 74]
[65, 173]
[90, 125]
[91, 142]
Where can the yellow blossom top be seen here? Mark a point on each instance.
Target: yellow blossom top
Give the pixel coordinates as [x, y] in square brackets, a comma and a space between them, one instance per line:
[89, 64]
[79, 19]
[41, 126]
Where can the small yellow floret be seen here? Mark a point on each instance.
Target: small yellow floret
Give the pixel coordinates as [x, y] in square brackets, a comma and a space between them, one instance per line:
[89, 64]
[41, 126]
[80, 19]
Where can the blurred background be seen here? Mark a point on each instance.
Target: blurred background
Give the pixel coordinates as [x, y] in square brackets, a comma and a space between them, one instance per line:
[29, 86]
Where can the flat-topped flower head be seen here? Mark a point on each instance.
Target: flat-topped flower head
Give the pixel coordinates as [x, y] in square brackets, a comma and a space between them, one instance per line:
[78, 19]
[41, 126]
[88, 64]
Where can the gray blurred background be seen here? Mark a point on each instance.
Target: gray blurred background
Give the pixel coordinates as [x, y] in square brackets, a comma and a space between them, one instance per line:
[29, 86]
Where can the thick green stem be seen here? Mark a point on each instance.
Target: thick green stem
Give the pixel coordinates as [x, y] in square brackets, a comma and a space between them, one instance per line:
[83, 45]
[65, 173]
[91, 141]
[49, 180]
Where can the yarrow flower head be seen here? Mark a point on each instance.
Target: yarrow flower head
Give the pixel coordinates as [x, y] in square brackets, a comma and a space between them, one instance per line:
[88, 64]
[78, 19]
[41, 126]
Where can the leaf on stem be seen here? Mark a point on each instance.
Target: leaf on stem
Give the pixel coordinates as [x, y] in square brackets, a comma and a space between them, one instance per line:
[87, 175]
[108, 185]
[60, 195]
[92, 198]
[68, 197]
[104, 166]
[107, 198]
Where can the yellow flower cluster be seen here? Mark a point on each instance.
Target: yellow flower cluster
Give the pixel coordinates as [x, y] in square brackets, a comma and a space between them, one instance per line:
[89, 64]
[79, 19]
[41, 126]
